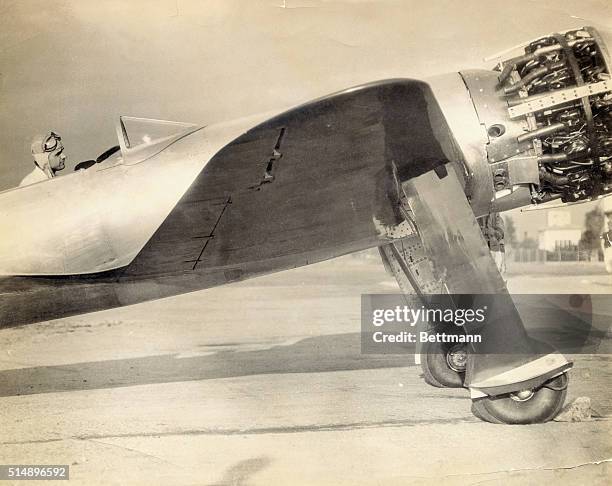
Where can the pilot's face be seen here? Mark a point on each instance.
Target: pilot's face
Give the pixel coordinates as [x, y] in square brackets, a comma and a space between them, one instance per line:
[57, 158]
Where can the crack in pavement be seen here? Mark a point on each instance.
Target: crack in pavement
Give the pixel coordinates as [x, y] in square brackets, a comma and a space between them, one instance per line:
[271, 430]
[260, 431]
[526, 469]
[133, 450]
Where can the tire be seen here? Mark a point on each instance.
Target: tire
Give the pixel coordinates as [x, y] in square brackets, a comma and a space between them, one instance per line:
[439, 362]
[535, 407]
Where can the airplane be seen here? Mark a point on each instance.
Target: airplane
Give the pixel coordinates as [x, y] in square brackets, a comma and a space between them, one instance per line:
[404, 165]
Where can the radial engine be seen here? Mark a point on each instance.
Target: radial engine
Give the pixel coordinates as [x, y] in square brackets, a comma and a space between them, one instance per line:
[546, 124]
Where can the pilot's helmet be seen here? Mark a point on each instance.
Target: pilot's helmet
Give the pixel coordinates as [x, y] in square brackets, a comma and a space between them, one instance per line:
[46, 143]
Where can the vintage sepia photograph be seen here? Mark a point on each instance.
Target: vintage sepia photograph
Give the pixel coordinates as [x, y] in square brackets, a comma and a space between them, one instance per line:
[306, 242]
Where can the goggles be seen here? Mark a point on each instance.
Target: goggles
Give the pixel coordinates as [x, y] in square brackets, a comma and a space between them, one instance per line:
[51, 142]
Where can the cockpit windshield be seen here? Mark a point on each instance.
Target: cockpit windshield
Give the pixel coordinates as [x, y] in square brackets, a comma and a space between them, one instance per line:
[141, 137]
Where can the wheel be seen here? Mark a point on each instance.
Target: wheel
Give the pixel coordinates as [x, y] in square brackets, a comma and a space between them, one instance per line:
[443, 364]
[526, 406]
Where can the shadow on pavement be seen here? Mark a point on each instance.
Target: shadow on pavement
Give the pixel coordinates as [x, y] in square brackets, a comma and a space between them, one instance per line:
[337, 352]
[239, 473]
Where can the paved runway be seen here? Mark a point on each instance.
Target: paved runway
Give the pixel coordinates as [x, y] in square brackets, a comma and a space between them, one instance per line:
[263, 382]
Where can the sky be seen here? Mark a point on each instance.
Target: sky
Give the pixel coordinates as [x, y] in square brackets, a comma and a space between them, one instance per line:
[75, 66]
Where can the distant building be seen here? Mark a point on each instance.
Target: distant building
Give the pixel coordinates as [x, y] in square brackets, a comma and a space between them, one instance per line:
[551, 239]
[559, 234]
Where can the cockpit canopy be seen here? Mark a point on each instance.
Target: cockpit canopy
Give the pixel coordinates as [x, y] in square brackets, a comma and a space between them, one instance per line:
[141, 138]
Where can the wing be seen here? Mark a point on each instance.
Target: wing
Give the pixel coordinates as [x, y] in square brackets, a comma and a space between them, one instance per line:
[308, 185]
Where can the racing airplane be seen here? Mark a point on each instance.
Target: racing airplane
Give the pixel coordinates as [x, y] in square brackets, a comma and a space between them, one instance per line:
[403, 165]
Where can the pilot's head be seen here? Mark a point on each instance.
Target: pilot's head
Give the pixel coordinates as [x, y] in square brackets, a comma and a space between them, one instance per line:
[48, 153]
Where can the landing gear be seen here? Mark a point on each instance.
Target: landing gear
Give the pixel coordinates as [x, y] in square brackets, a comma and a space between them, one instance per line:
[512, 378]
[529, 406]
[443, 364]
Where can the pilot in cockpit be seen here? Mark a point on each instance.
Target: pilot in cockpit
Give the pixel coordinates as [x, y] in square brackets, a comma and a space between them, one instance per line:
[49, 158]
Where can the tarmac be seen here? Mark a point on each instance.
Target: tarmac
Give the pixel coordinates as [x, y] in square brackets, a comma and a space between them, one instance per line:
[263, 382]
